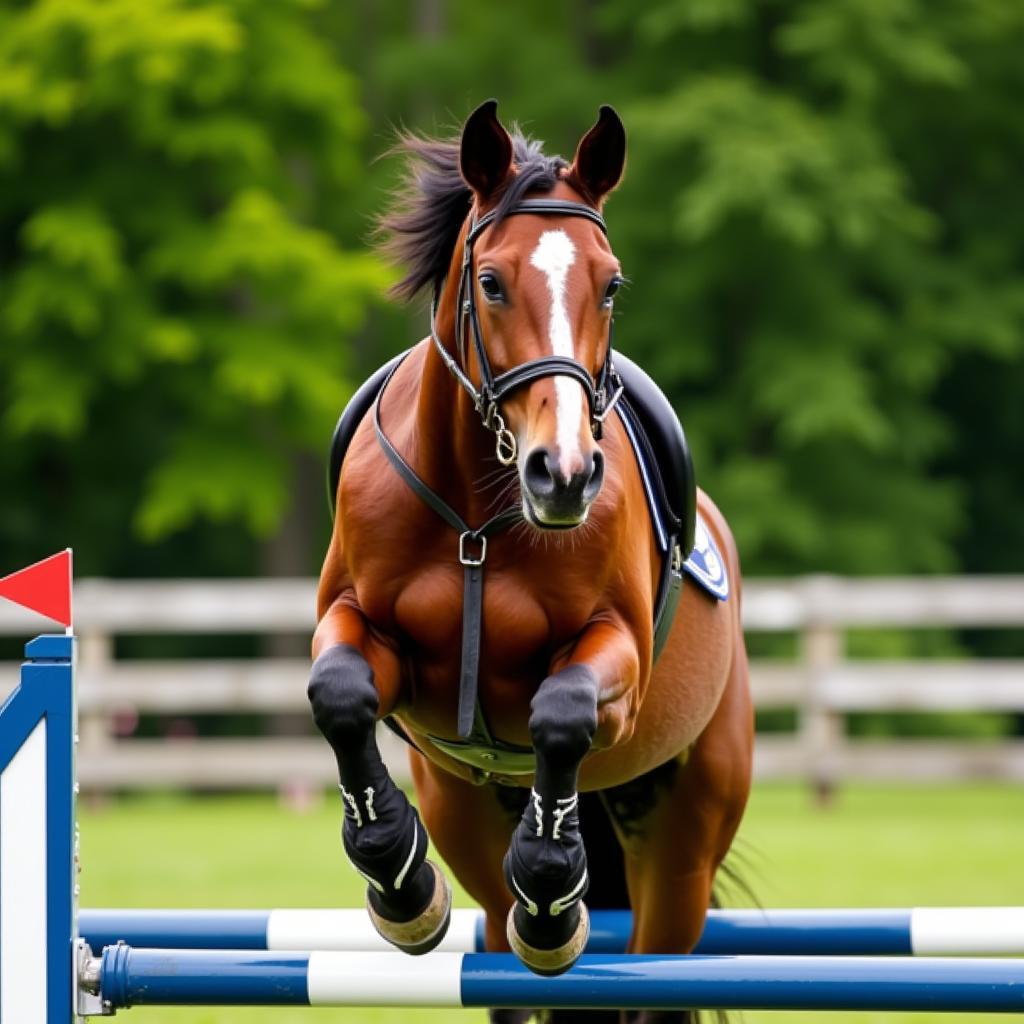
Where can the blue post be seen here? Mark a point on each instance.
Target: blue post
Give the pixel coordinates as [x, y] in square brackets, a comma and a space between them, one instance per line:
[37, 845]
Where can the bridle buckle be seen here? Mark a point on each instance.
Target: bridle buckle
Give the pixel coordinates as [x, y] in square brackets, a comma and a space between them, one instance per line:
[468, 559]
[603, 405]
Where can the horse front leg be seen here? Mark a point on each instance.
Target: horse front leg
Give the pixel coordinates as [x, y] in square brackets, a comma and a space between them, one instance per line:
[407, 896]
[546, 865]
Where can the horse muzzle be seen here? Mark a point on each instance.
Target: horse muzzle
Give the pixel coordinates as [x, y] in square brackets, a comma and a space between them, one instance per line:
[554, 499]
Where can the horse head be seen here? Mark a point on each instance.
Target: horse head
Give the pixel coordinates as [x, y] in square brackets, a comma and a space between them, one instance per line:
[537, 292]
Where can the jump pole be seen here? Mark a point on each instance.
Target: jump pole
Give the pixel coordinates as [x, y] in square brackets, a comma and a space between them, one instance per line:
[921, 931]
[127, 977]
[41, 958]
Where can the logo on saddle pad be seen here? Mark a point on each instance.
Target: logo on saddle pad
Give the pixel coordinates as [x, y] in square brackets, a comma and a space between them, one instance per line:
[706, 564]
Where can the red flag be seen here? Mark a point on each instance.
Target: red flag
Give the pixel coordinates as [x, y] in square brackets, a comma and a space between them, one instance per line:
[44, 587]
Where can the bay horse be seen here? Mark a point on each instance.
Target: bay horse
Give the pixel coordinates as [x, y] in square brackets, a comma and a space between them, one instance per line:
[553, 748]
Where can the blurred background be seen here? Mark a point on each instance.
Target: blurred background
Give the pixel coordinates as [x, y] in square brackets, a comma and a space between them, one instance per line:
[823, 232]
[821, 225]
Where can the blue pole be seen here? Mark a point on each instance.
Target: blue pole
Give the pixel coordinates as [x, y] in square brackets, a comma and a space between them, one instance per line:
[175, 929]
[134, 977]
[752, 983]
[796, 932]
[168, 977]
[807, 932]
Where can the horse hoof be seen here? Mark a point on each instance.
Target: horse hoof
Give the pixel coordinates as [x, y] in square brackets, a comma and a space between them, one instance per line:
[428, 928]
[549, 962]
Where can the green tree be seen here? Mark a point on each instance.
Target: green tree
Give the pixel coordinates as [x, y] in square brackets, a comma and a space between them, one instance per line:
[176, 304]
[821, 229]
[837, 185]
[820, 223]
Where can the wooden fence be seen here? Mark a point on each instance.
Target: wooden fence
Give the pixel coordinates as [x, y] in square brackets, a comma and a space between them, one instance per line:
[822, 683]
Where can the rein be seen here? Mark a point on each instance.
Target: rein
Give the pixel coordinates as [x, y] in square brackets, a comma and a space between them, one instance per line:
[477, 746]
[492, 390]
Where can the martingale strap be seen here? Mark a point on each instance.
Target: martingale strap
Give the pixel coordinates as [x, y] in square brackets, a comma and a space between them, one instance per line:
[472, 555]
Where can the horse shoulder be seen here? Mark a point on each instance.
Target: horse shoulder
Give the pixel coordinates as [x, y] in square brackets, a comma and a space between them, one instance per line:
[403, 560]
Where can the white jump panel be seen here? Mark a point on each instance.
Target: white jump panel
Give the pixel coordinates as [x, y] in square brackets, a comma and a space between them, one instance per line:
[23, 902]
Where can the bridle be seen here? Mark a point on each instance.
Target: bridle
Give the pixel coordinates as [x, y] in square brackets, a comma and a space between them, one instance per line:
[602, 394]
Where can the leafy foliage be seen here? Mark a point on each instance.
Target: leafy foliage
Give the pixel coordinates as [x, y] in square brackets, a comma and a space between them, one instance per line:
[171, 229]
[819, 255]
[820, 224]
[820, 228]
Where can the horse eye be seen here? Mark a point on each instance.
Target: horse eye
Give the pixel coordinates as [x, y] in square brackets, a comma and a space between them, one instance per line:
[490, 285]
[613, 286]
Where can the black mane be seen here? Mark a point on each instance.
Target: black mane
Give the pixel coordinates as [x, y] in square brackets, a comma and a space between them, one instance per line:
[428, 209]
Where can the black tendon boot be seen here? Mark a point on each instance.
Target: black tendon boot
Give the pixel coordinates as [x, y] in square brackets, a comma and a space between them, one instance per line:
[408, 898]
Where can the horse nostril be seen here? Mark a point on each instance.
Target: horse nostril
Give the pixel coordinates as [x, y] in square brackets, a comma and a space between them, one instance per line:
[539, 472]
[596, 475]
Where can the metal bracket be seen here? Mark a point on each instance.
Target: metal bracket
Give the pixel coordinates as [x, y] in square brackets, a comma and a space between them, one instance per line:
[88, 975]
[604, 404]
[677, 558]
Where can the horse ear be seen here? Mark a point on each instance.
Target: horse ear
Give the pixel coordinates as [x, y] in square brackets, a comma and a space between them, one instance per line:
[600, 156]
[486, 150]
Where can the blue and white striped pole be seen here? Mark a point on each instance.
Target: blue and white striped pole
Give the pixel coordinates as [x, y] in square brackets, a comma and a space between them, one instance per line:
[942, 931]
[217, 978]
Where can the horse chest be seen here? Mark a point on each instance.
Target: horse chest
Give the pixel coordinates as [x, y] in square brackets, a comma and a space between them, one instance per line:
[519, 623]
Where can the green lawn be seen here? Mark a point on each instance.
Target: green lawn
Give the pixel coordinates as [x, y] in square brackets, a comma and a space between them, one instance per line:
[877, 846]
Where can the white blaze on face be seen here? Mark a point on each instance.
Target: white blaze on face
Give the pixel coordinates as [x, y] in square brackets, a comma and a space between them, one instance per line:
[553, 257]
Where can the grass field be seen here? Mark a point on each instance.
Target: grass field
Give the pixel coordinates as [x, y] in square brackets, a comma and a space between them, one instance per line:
[877, 846]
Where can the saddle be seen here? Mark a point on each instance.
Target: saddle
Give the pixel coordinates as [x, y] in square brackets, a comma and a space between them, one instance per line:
[666, 469]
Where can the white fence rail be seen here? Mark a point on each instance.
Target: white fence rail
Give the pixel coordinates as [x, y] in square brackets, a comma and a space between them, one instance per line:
[822, 684]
